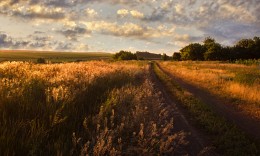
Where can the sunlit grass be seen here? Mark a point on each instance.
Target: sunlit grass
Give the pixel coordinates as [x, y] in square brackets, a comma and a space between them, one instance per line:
[228, 139]
[96, 108]
[239, 83]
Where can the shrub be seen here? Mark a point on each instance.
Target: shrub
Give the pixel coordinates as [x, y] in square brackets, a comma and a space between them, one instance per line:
[41, 61]
[125, 55]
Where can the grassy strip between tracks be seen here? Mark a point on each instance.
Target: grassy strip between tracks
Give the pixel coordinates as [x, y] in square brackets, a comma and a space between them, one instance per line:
[227, 138]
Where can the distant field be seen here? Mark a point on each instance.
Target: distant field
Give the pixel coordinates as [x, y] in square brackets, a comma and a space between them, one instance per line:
[9, 55]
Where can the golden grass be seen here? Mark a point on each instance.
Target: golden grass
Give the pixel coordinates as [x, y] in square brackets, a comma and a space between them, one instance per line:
[95, 108]
[231, 81]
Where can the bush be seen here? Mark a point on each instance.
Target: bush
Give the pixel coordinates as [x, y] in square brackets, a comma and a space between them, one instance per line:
[176, 56]
[125, 55]
[41, 60]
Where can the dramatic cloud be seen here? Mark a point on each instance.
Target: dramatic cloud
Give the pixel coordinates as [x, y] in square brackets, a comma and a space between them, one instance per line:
[165, 24]
[122, 12]
[74, 33]
[38, 42]
[91, 12]
[136, 14]
[128, 30]
[32, 12]
[133, 13]
[7, 41]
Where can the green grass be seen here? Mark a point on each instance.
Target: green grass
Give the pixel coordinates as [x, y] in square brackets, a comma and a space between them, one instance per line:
[52, 56]
[227, 138]
[247, 62]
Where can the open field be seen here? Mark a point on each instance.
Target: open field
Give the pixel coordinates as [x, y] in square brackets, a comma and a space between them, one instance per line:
[23, 55]
[237, 83]
[78, 108]
[113, 108]
[227, 137]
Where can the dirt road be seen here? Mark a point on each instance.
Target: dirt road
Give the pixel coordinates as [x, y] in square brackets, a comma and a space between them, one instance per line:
[198, 142]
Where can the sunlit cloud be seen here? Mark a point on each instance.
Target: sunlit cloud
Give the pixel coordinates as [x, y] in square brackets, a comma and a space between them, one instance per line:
[136, 14]
[128, 30]
[163, 23]
[122, 12]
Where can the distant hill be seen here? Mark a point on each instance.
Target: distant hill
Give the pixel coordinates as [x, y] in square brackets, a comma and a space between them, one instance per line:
[148, 55]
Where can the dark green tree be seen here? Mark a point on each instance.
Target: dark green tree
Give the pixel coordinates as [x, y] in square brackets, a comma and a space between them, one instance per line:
[176, 56]
[193, 51]
[165, 57]
[256, 49]
[214, 52]
[246, 49]
[125, 55]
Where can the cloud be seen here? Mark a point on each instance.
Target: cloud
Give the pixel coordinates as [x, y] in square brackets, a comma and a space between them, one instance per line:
[8, 42]
[181, 40]
[74, 32]
[32, 11]
[38, 42]
[5, 41]
[51, 3]
[133, 13]
[137, 14]
[179, 8]
[91, 12]
[82, 47]
[122, 12]
[167, 5]
[129, 30]
[187, 20]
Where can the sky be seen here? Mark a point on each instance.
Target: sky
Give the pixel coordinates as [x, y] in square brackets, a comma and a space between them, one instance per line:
[159, 26]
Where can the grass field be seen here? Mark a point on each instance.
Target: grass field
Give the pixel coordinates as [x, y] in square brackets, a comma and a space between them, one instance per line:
[227, 137]
[78, 108]
[237, 83]
[113, 108]
[8, 55]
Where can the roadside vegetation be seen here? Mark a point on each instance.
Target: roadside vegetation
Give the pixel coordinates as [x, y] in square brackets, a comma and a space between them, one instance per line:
[227, 138]
[239, 84]
[94, 108]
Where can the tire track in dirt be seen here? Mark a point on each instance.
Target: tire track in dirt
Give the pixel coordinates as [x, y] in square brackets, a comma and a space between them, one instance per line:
[220, 106]
[198, 142]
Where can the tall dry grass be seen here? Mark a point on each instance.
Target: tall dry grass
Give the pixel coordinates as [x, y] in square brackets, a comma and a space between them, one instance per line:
[95, 108]
[238, 83]
[133, 121]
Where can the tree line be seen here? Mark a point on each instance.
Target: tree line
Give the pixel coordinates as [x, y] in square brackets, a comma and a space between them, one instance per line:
[209, 50]
[212, 51]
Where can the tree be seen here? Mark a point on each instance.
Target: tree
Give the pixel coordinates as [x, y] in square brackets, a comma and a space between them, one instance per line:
[208, 41]
[165, 57]
[125, 55]
[256, 49]
[176, 56]
[193, 51]
[246, 49]
[214, 52]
